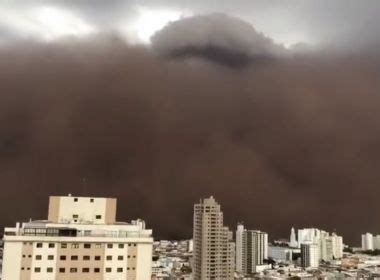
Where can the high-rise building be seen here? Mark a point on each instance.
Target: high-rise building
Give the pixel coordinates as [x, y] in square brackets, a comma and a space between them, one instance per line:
[81, 240]
[308, 235]
[367, 241]
[293, 240]
[376, 242]
[213, 243]
[251, 249]
[337, 243]
[239, 248]
[330, 246]
[310, 255]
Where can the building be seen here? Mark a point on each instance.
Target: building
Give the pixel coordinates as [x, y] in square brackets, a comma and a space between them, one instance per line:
[281, 253]
[213, 243]
[308, 235]
[251, 249]
[330, 246]
[293, 240]
[310, 255]
[376, 242]
[81, 240]
[367, 241]
[337, 243]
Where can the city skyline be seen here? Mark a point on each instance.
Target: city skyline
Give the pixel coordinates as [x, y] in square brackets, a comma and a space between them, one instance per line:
[82, 239]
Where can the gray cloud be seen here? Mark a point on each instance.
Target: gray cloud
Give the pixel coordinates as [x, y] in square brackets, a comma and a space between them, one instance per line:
[343, 24]
[215, 37]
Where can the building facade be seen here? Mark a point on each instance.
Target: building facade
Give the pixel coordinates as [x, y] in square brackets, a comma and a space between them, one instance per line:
[293, 239]
[330, 246]
[213, 243]
[81, 240]
[367, 241]
[251, 249]
[310, 255]
[282, 254]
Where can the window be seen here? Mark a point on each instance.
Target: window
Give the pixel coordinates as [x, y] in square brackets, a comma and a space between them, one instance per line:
[75, 199]
[51, 245]
[49, 269]
[91, 200]
[64, 245]
[109, 258]
[75, 216]
[87, 246]
[119, 269]
[29, 256]
[86, 258]
[39, 245]
[37, 269]
[98, 217]
[73, 269]
[74, 258]
[62, 258]
[50, 257]
[108, 269]
[23, 256]
[98, 246]
[22, 268]
[120, 258]
[74, 246]
[85, 269]
[96, 269]
[121, 246]
[109, 246]
[97, 258]
[62, 270]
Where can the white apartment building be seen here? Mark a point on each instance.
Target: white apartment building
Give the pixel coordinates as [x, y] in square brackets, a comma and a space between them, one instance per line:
[293, 239]
[330, 246]
[376, 242]
[367, 241]
[214, 249]
[310, 255]
[308, 235]
[251, 249]
[81, 240]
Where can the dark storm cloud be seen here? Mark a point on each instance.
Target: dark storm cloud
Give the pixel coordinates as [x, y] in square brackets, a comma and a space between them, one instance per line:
[348, 24]
[215, 37]
[292, 141]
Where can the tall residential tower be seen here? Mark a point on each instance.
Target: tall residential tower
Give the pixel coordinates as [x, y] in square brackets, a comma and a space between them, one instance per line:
[251, 249]
[213, 243]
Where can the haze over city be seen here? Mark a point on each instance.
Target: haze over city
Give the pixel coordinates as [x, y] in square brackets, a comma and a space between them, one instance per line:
[271, 106]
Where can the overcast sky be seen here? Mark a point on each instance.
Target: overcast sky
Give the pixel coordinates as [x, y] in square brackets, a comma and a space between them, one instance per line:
[346, 23]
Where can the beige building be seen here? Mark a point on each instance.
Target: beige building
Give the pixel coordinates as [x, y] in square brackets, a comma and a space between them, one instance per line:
[251, 250]
[213, 243]
[81, 240]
